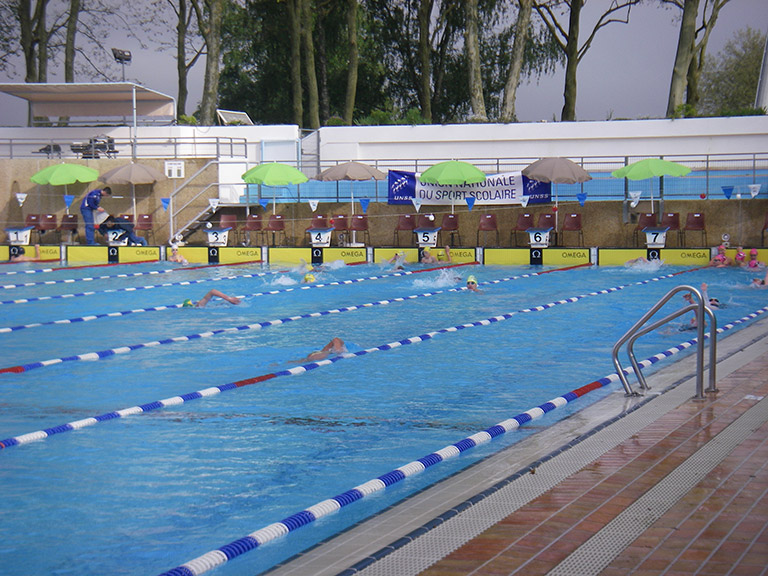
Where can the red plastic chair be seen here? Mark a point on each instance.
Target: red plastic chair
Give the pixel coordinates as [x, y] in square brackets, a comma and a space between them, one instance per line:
[359, 224]
[33, 220]
[644, 220]
[762, 233]
[487, 224]
[547, 220]
[47, 224]
[230, 221]
[405, 223]
[340, 227]
[450, 226]
[144, 224]
[671, 220]
[572, 223]
[524, 222]
[276, 225]
[69, 224]
[253, 223]
[318, 221]
[426, 221]
[694, 222]
[127, 217]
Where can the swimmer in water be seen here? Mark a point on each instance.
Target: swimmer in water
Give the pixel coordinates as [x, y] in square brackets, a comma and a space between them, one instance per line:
[207, 298]
[472, 284]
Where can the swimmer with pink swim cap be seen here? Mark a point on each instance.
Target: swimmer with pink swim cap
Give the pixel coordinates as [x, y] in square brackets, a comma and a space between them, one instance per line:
[753, 261]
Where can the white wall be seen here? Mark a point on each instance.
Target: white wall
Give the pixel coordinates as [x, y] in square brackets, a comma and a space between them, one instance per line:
[535, 140]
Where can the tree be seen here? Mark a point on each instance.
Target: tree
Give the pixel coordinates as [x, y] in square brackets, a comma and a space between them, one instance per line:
[471, 44]
[522, 27]
[691, 53]
[354, 61]
[568, 40]
[729, 79]
[210, 15]
[310, 73]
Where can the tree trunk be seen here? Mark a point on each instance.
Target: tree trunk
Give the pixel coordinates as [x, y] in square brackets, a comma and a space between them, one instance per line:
[181, 58]
[354, 58]
[683, 57]
[571, 62]
[425, 85]
[41, 33]
[309, 64]
[472, 46]
[516, 65]
[294, 17]
[69, 46]
[209, 22]
[27, 39]
[322, 70]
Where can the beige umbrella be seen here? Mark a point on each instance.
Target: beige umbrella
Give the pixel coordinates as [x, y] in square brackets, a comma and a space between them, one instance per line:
[133, 174]
[556, 171]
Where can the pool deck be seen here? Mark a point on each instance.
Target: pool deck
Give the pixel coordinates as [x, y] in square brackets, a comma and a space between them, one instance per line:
[664, 484]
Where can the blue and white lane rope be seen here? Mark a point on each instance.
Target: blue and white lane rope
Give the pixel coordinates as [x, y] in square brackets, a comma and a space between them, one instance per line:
[58, 268]
[86, 279]
[238, 547]
[42, 434]
[217, 279]
[7, 329]
[101, 354]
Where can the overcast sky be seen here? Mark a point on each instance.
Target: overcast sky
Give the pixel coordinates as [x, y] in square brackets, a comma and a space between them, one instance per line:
[625, 74]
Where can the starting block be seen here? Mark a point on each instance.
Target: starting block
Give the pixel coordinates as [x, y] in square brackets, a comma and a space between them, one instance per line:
[655, 237]
[320, 237]
[427, 237]
[539, 237]
[19, 236]
[117, 237]
[218, 236]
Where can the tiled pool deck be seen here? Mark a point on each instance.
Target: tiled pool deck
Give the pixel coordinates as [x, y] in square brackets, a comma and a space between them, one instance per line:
[674, 486]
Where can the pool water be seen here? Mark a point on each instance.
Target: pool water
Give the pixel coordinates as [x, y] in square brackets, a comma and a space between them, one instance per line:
[148, 492]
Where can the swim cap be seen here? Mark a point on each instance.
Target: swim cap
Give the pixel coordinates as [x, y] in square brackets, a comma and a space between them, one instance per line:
[721, 247]
[740, 256]
[753, 251]
[309, 278]
[21, 251]
[472, 279]
[187, 303]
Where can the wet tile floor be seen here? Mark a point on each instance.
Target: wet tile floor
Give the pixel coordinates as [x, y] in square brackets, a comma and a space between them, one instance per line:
[720, 526]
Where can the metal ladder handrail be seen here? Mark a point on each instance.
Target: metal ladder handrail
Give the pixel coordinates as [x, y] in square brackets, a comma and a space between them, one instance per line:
[637, 330]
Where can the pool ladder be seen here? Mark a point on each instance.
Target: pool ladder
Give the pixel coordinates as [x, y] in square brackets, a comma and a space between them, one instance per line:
[638, 330]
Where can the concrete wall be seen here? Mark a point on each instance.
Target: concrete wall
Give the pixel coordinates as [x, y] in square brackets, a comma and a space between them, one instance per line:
[689, 136]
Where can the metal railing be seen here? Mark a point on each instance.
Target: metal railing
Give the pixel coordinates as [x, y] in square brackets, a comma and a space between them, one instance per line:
[639, 329]
[98, 145]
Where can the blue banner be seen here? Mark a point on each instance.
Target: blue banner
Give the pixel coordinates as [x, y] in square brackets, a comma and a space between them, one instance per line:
[507, 188]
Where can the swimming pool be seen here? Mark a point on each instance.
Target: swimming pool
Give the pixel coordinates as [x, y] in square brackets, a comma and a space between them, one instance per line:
[144, 493]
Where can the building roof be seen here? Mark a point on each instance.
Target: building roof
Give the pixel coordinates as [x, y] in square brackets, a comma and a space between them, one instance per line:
[112, 102]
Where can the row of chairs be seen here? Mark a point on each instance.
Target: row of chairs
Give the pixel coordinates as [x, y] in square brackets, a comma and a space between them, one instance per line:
[694, 222]
[275, 226]
[489, 224]
[42, 224]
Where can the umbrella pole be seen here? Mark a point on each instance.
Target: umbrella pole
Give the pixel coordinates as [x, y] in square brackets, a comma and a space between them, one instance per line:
[133, 198]
[352, 196]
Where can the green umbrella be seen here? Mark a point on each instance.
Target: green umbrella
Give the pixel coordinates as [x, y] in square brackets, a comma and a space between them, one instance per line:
[274, 174]
[452, 172]
[63, 174]
[650, 168]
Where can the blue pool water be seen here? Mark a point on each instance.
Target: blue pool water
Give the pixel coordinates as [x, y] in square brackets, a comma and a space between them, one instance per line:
[148, 492]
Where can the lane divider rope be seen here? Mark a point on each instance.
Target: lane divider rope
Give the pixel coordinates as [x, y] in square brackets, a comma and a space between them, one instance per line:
[238, 547]
[232, 277]
[42, 434]
[41, 270]
[85, 279]
[101, 354]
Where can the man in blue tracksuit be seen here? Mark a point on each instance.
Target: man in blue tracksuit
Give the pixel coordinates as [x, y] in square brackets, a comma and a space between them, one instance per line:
[90, 205]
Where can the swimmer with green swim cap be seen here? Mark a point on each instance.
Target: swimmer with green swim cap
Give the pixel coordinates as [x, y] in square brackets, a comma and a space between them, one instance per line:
[472, 284]
[207, 298]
